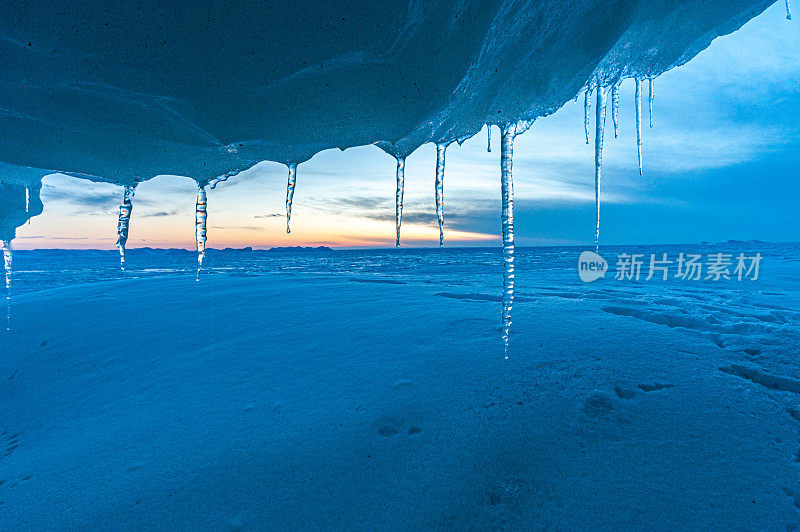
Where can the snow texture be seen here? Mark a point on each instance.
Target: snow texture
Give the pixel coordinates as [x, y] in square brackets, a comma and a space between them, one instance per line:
[388, 405]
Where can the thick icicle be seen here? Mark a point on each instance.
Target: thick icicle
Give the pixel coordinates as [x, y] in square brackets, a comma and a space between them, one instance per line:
[788, 11]
[200, 216]
[398, 206]
[489, 138]
[639, 122]
[7, 258]
[507, 219]
[615, 107]
[650, 100]
[124, 222]
[290, 194]
[600, 125]
[440, 150]
[586, 104]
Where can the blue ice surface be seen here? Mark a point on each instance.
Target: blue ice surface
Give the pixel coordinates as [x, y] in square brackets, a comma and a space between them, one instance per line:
[366, 389]
[541, 272]
[550, 268]
[733, 313]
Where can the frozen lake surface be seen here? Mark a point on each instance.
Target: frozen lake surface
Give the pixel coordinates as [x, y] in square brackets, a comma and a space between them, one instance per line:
[368, 390]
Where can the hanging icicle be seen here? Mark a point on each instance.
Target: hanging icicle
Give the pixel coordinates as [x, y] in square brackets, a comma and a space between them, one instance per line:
[200, 217]
[600, 124]
[440, 151]
[398, 207]
[489, 138]
[27, 200]
[586, 104]
[5, 245]
[290, 194]
[123, 224]
[639, 122]
[788, 11]
[615, 107]
[507, 220]
[650, 100]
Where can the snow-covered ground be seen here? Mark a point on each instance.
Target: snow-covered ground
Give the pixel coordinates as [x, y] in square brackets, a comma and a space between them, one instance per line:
[368, 390]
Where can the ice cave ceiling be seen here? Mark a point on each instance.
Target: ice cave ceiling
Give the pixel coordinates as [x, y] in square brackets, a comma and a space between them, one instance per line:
[125, 91]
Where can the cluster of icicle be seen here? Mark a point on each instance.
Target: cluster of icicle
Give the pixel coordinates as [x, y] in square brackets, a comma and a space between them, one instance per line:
[600, 124]
[509, 132]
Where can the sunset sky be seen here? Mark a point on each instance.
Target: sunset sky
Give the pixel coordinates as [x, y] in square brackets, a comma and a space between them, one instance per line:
[721, 163]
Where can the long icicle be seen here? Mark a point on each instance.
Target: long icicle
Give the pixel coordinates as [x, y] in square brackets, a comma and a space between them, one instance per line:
[507, 220]
[398, 206]
[489, 138]
[788, 11]
[600, 125]
[650, 100]
[440, 151]
[586, 104]
[615, 107]
[290, 194]
[124, 222]
[639, 122]
[28, 202]
[200, 217]
[7, 259]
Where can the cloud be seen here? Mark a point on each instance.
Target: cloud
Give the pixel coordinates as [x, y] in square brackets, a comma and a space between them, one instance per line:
[417, 218]
[358, 206]
[239, 227]
[159, 214]
[93, 199]
[53, 237]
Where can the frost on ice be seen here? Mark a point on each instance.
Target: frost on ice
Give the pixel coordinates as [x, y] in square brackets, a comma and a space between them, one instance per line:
[587, 98]
[124, 222]
[206, 104]
[615, 106]
[290, 194]
[507, 223]
[5, 245]
[200, 216]
[441, 148]
[638, 104]
[398, 206]
[600, 125]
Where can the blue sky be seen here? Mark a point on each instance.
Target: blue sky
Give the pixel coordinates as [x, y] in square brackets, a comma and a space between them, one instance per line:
[720, 164]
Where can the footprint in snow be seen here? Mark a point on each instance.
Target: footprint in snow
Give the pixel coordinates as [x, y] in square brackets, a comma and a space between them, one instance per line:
[598, 404]
[388, 427]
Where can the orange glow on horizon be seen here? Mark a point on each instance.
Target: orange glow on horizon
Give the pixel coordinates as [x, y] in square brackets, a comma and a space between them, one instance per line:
[337, 232]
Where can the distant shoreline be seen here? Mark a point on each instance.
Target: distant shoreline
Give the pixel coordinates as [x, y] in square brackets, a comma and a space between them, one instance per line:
[327, 249]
